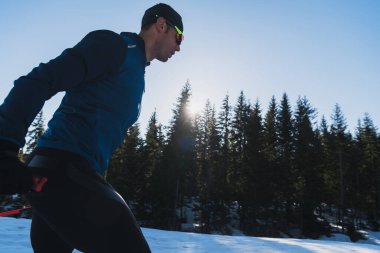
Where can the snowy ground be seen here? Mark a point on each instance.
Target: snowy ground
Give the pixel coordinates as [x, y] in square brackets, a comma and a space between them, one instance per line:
[14, 238]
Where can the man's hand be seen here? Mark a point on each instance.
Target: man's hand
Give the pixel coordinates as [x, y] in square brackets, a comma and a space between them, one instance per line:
[15, 177]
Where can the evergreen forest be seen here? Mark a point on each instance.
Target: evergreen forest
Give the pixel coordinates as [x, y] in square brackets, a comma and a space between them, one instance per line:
[280, 173]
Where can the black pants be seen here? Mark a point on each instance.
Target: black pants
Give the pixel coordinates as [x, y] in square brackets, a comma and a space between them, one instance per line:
[78, 209]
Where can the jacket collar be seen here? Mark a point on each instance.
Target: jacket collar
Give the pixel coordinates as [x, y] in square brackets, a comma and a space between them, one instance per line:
[139, 43]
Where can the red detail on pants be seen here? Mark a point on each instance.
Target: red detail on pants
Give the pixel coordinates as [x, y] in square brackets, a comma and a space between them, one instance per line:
[38, 183]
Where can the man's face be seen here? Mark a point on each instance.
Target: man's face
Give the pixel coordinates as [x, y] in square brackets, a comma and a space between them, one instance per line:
[168, 44]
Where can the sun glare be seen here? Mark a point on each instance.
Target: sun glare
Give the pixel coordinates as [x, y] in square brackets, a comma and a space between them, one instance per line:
[193, 109]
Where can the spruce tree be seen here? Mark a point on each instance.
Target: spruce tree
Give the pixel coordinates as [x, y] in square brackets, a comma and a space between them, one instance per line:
[369, 172]
[239, 127]
[270, 132]
[125, 172]
[36, 130]
[285, 175]
[178, 162]
[224, 128]
[239, 131]
[151, 159]
[307, 164]
[340, 146]
[255, 175]
[329, 178]
[224, 122]
[208, 146]
[270, 164]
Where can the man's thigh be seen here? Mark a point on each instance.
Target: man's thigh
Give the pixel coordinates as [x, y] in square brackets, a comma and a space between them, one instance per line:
[45, 240]
[88, 214]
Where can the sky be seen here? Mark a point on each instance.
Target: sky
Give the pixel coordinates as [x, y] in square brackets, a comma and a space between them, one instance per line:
[14, 238]
[325, 50]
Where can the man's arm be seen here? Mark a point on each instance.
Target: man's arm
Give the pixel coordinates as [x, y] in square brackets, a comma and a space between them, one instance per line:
[97, 55]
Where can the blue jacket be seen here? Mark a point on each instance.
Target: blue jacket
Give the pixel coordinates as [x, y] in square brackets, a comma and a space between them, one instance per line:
[103, 77]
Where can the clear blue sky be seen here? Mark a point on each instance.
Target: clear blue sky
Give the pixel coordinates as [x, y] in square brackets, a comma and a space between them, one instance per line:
[326, 50]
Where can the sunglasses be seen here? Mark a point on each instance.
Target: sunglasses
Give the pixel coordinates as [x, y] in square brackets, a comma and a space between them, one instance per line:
[179, 35]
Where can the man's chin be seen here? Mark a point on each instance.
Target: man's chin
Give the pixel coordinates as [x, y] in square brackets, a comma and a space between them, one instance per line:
[163, 59]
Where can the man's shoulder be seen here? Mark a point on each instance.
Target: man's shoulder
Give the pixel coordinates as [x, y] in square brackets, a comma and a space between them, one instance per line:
[103, 34]
[102, 49]
[104, 40]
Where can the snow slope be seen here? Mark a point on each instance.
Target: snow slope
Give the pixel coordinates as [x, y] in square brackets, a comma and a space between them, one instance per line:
[14, 238]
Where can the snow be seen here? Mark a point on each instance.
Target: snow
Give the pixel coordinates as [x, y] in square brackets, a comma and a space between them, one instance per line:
[14, 238]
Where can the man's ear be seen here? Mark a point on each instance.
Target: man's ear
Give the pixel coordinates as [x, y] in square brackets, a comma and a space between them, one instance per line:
[161, 24]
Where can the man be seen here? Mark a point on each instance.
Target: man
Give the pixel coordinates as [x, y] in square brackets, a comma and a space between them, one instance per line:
[103, 77]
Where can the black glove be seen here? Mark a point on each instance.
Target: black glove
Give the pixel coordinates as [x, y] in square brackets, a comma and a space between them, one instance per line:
[15, 177]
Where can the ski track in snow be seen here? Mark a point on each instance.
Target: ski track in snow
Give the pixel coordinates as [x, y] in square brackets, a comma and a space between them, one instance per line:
[14, 238]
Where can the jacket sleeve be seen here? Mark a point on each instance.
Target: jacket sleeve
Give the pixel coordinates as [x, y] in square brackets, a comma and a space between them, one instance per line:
[96, 56]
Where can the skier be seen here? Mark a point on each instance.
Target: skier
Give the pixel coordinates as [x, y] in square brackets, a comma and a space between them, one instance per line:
[103, 77]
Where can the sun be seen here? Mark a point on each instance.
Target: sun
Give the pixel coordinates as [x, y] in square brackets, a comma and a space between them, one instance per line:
[193, 108]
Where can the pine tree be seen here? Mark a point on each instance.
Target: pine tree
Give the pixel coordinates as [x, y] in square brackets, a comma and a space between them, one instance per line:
[239, 131]
[36, 130]
[270, 132]
[340, 146]
[125, 172]
[151, 159]
[329, 178]
[255, 175]
[224, 128]
[207, 149]
[178, 163]
[224, 122]
[270, 164]
[152, 150]
[307, 164]
[239, 127]
[285, 175]
[369, 172]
